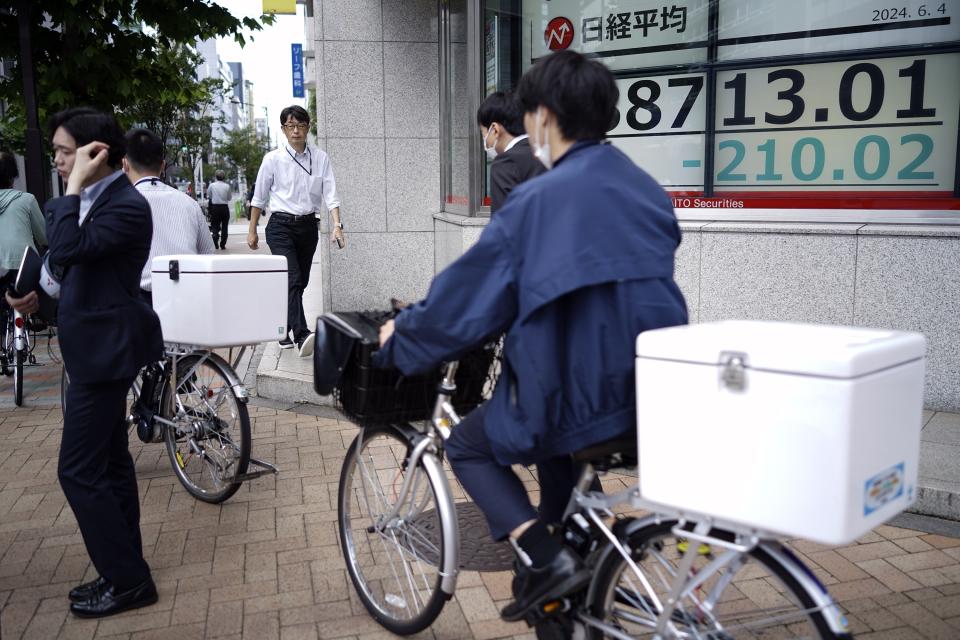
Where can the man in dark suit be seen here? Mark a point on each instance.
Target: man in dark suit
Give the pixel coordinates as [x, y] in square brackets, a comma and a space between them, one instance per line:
[99, 234]
[505, 143]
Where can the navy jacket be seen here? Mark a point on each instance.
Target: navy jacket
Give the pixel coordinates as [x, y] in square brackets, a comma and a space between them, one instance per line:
[577, 263]
[106, 331]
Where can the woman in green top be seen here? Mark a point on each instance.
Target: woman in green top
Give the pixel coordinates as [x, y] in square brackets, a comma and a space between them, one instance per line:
[21, 222]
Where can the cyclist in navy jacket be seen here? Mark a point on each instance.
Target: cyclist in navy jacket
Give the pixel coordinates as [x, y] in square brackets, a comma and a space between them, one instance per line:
[576, 264]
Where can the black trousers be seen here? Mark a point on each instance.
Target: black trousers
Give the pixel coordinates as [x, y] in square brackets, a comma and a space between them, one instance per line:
[496, 489]
[296, 239]
[219, 221]
[98, 478]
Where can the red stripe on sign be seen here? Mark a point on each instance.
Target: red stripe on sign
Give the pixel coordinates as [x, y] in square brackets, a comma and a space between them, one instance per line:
[912, 200]
[457, 200]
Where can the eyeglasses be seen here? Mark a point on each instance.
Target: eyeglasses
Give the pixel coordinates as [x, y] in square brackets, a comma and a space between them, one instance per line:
[296, 127]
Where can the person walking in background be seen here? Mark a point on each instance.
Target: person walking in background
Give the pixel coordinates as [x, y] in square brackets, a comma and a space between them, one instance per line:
[21, 222]
[219, 194]
[505, 142]
[100, 234]
[178, 223]
[298, 179]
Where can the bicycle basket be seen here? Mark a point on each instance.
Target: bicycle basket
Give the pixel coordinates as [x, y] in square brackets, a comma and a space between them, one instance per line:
[367, 394]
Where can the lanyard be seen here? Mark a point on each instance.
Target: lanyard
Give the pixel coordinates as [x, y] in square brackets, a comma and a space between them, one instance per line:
[309, 161]
[152, 180]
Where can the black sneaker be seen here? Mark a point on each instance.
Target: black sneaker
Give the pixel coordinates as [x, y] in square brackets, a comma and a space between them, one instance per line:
[286, 343]
[565, 574]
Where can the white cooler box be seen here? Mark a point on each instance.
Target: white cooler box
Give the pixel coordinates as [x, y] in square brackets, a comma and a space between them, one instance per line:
[807, 431]
[219, 301]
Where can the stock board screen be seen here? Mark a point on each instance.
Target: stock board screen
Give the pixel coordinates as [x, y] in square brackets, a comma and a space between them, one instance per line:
[876, 126]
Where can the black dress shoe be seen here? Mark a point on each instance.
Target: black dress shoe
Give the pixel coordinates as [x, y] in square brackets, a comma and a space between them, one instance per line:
[87, 589]
[563, 575]
[110, 601]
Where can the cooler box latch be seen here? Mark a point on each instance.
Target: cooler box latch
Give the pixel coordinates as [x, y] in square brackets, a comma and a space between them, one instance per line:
[174, 270]
[733, 370]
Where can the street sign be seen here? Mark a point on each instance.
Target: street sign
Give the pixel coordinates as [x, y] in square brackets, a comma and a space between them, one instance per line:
[297, 55]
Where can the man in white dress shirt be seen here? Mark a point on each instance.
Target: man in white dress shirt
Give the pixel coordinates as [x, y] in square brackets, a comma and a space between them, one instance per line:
[298, 179]
[220, 194]
[178, 223]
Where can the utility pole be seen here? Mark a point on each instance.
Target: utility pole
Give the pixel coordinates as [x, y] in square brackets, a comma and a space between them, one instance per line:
[33, 161]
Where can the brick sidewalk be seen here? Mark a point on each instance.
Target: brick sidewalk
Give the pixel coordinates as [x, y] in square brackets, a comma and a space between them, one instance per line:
[267, 563]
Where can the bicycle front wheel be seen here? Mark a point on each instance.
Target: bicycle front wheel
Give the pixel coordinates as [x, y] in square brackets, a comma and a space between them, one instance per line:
[395, 564]
[210, 444]
[753, 595]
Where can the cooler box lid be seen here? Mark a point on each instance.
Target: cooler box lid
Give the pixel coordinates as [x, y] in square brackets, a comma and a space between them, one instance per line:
[190, 263]
[784, 347]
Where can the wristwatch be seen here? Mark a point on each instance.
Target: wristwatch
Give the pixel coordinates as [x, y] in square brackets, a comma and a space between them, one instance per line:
[339, 225]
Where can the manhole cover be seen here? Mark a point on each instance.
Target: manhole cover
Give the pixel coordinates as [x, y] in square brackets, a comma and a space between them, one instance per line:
[478, 551]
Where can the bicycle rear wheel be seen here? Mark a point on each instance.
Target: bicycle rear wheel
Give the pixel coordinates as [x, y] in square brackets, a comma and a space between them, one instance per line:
[395, 565]
[210, 445]
[753, 596]
[18, 377]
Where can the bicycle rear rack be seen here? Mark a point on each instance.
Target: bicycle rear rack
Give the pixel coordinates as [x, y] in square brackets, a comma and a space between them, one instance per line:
[265, 468]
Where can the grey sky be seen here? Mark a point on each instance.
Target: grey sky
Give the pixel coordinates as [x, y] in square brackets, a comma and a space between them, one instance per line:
[266, 60]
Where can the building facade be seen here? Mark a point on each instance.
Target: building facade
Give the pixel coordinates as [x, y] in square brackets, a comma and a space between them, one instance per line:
[811, 149]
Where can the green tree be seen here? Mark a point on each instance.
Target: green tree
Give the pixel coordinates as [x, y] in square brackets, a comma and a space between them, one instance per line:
[243, 150]
[184, 99]
[133, 58]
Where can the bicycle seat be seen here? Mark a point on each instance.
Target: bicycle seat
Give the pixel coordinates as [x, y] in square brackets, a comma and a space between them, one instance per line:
[610, 454]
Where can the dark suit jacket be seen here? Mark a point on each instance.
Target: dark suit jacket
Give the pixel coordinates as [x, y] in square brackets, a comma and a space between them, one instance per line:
[106, 331]
[510, 169]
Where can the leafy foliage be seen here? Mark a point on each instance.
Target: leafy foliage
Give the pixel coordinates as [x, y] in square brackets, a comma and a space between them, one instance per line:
[244, 149]
[132, 57]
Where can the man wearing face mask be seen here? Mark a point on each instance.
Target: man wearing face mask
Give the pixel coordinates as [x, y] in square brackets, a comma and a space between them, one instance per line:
[505, 142]
[576, 264]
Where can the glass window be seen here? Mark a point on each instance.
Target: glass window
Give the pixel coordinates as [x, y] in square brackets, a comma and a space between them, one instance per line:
[457, 108]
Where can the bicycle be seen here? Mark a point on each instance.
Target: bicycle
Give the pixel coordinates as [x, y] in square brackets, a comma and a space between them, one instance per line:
[194, 402]
[663, 575]
[16, 347]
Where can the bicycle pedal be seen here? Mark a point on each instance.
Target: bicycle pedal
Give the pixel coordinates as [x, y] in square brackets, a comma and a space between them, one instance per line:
[546, 610]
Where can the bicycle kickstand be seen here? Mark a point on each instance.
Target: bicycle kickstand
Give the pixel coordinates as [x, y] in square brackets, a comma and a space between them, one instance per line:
[265, 468]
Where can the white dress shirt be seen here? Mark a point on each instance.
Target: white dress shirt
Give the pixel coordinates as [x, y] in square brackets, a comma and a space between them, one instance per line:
[178, 224]
[219, 192]
[89, 195]
[297, 183]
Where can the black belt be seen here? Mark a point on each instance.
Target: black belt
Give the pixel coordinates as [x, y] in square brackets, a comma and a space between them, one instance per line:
[283, 215]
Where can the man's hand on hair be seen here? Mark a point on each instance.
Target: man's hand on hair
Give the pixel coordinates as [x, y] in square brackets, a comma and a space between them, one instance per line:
[90, 158]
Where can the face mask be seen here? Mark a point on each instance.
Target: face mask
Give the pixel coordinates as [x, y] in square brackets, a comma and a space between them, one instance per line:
[541, 150]
[491, 151]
